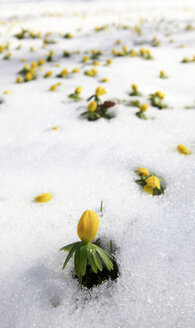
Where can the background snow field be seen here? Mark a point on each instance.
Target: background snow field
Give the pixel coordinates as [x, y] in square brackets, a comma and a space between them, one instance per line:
[84, 163]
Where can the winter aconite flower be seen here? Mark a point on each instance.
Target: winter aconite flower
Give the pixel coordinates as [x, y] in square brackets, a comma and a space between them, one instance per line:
[156, 99]
[88, 226]
[143, 172]
[100, 91]
[143, 108]
[76, 94]
[78, 90]
[46, 197]
[85, 253]
[149, 182]
[183, 149]
[135, 91]
[92, 106]
[153, 182]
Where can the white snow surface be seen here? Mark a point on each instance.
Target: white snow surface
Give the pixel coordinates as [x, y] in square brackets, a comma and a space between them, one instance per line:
[84, 163]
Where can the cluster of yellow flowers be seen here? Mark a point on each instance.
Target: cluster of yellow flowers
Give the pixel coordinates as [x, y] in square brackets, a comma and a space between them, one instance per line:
[150, 183]
[93, 72]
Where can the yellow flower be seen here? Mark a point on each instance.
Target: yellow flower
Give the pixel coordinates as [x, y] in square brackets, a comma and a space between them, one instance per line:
[78, 90]
[28, 76]
[143, 107]
[85, 59]
[32, 49]
[125, 48]
[41, 62]
[88, 225]
[46, 197]
[160, 94]
[48, 74]
[18, 79]
[96, 63]
[143, 172]
[76, 70]
[134, 87]
[109, 61]
[100, 91]
[6, 92]
[64, 72]
[153, 182]
[92, 106]
[133, 53]
[118, 41]
[183, 149]
[53, 87]
[55, 127]
[148, 189]
[162, 73]
[2, 48]
[105, 79]
[34, 64]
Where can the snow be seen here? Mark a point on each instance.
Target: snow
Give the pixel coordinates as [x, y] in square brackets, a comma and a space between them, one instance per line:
[84, 163]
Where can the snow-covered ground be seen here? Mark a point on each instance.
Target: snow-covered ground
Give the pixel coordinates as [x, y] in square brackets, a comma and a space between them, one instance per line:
[84, 163]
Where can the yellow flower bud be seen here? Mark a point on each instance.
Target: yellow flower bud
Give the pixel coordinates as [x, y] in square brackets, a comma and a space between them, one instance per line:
[55, 127]
[143, 107]
[183, 149]
[48, 74]
[92, 106]
[32, 49]
[109, 61]
[100, 91]
[28, 76]
[46, 197]
[160, 94]
[18, 79]
[34, 64]
[85, 59]
[133, 53]
[143, 172]
[105, 79]
[41, 62]
[6, 92]
[125, 48]
[153, 182]
[2, 48]
[64, 72]
[118, 41]
[96, 63]
[162, 73]
[134, 87]
[53, 87]
[75, 70]
[148, 189]
[78, 90]
[88, 225]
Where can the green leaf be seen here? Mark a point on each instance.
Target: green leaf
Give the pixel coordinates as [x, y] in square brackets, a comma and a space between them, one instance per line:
[91, 259]
[140, 182]
[105, 257]
[75, 247]
[69, 247]
[77, 262]
[83, 259]
[97, 259]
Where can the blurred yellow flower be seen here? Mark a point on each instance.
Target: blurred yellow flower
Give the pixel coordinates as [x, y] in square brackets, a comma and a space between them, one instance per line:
[143, 172]
[46, 197]
[92, 106]
[153, 182]
[100, 91]
[183, 149]
[143, 108]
